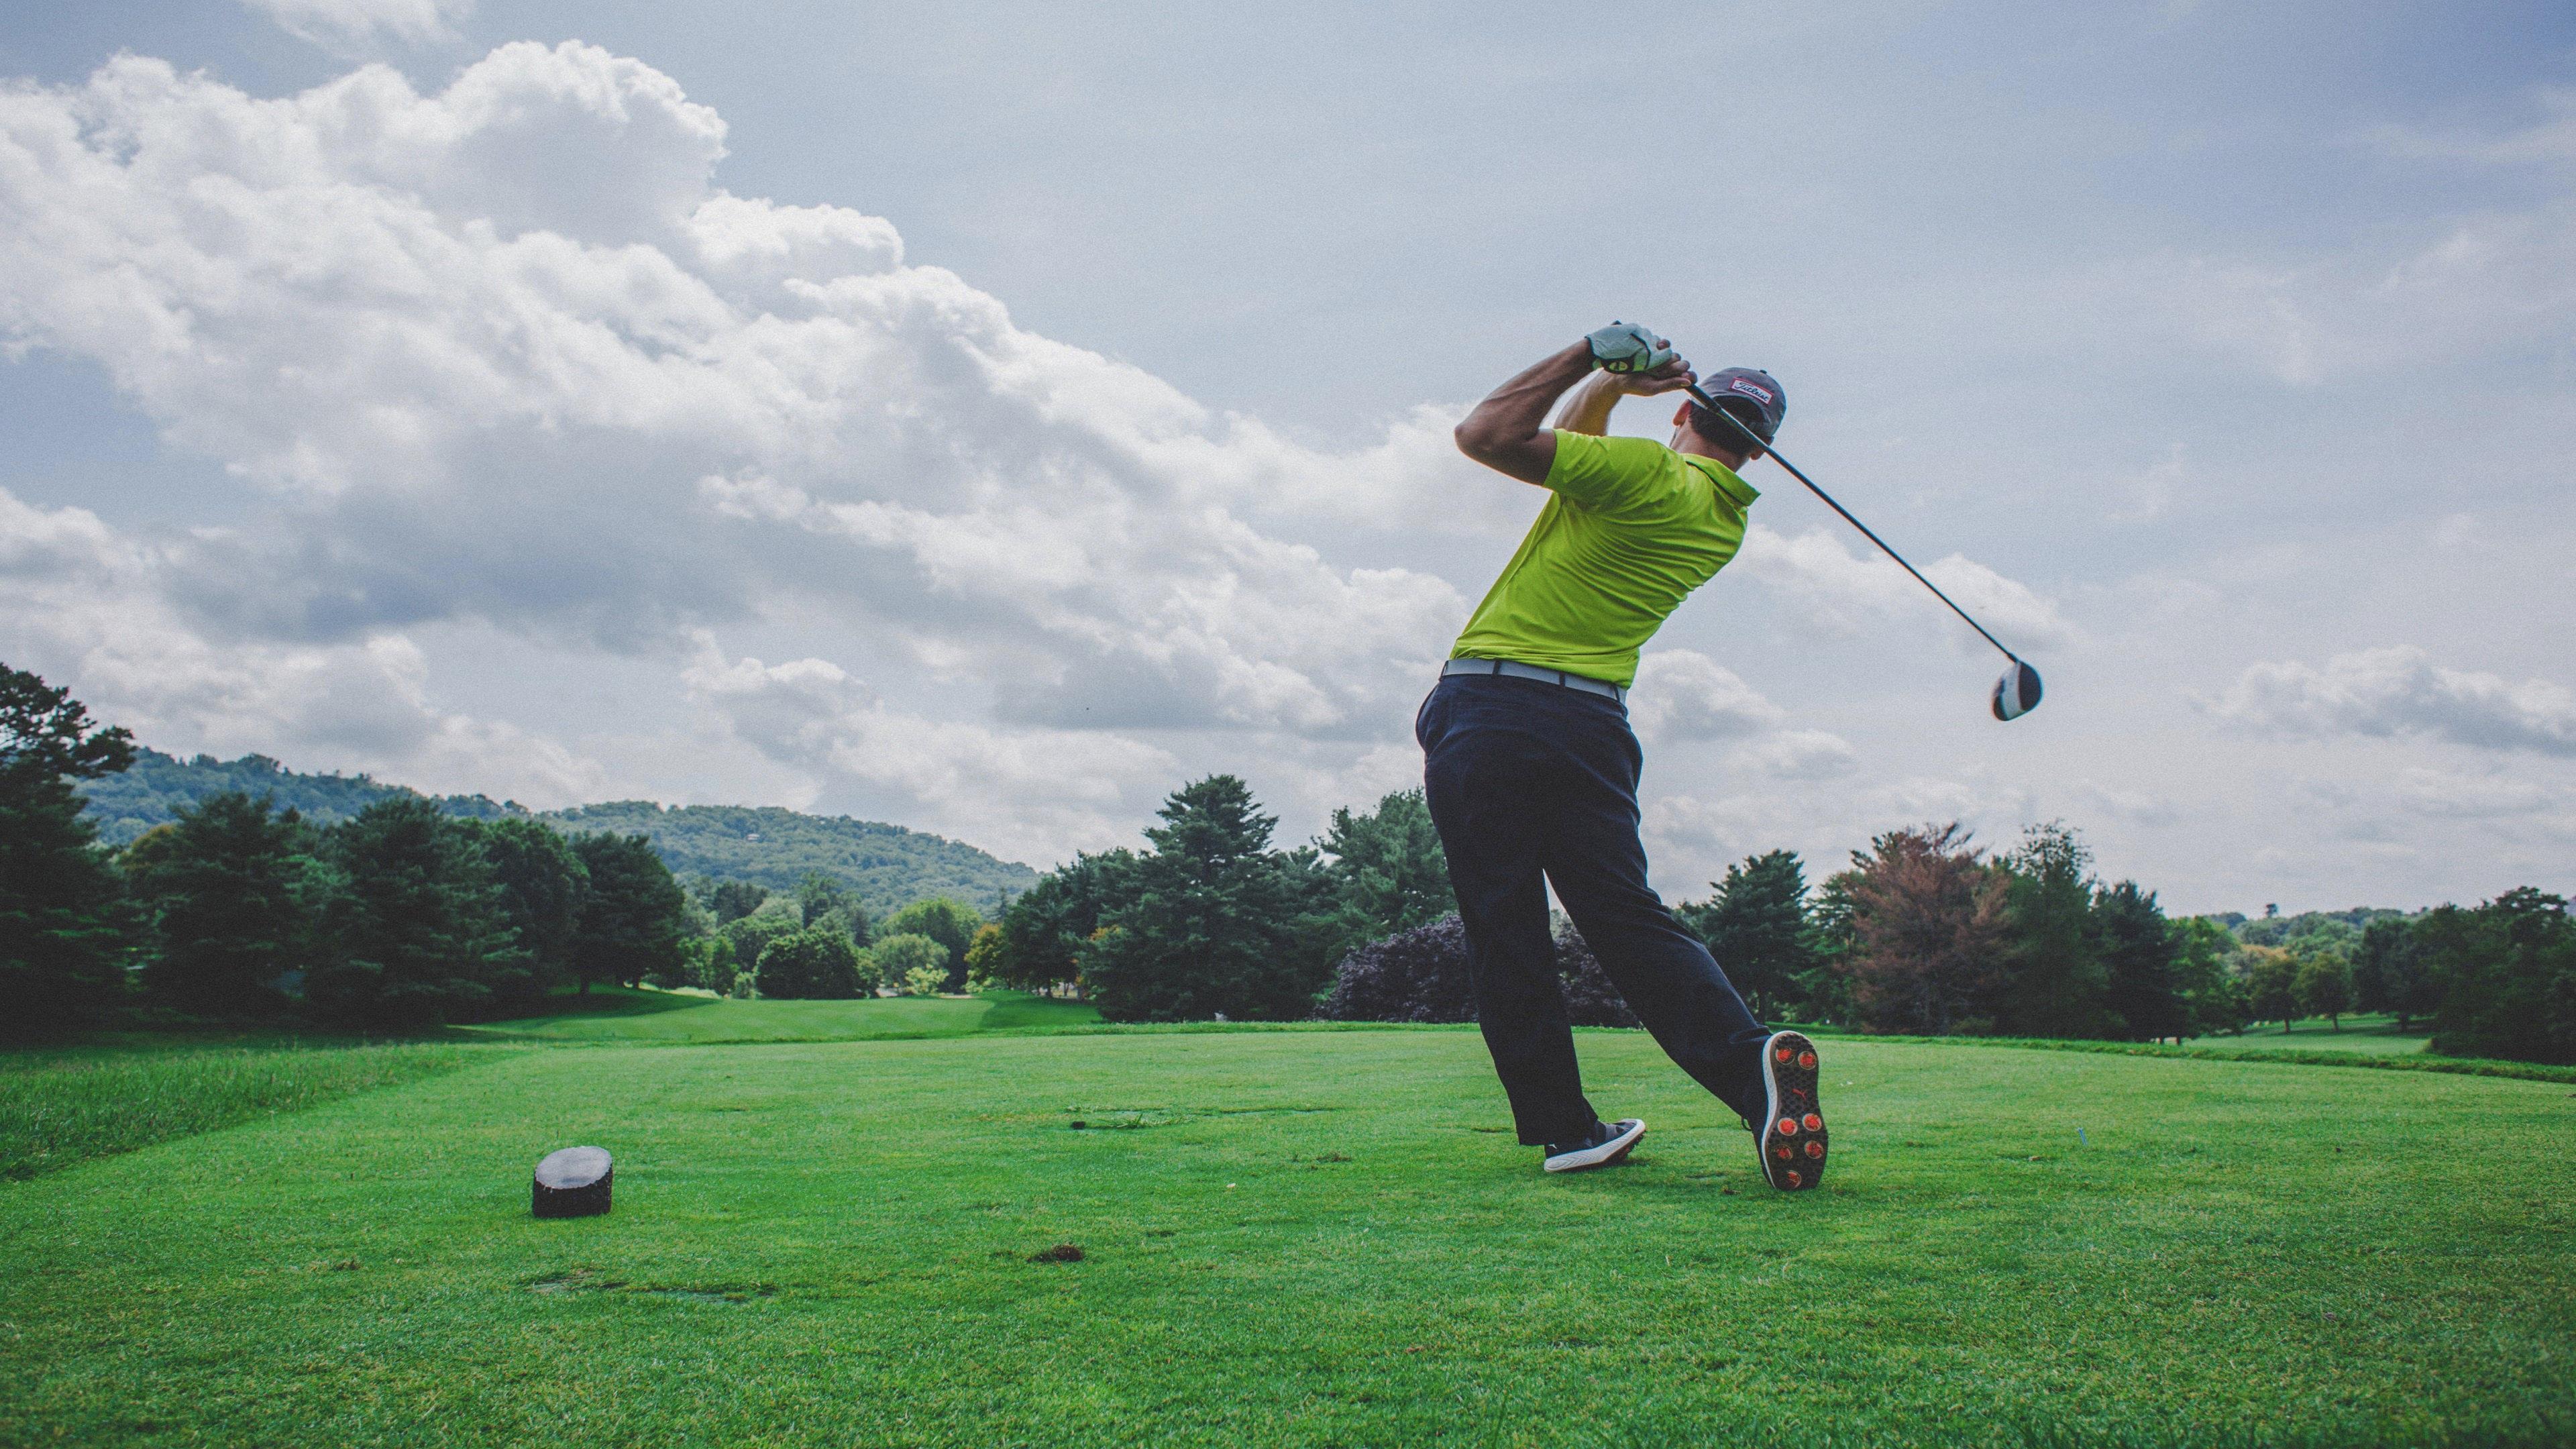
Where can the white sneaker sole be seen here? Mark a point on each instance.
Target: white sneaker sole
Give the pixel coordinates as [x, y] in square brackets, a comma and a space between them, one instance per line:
[1601, 1156]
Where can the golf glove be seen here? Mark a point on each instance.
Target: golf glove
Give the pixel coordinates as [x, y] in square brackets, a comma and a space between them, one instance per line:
[1625, 347]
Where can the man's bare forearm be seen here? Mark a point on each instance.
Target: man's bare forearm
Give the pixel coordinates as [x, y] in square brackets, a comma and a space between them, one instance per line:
[1587, 408]
[1508, 430]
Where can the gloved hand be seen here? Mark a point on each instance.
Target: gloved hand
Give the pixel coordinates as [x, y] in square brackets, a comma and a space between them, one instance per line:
[1625, 347]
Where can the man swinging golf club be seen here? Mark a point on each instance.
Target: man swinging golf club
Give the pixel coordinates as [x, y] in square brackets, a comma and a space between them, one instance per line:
[1531, 769]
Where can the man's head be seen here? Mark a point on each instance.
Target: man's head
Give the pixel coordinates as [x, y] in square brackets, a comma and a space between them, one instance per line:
[1747, 395]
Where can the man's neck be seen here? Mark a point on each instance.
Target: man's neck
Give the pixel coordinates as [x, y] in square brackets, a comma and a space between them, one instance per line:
[1688, 440]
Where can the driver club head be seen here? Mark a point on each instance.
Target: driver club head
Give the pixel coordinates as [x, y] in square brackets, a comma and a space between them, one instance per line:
[2017, 693]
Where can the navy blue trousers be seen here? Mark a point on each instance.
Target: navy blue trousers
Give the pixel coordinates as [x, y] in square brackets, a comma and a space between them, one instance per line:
[1530, 780]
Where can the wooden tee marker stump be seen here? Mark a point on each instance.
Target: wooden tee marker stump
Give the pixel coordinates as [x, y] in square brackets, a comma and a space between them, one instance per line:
[573, 1183]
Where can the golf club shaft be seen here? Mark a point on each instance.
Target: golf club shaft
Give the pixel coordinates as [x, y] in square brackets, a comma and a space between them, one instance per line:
[1755, 438]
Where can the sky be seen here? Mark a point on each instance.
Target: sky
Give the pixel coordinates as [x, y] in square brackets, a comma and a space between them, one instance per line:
[988, 418]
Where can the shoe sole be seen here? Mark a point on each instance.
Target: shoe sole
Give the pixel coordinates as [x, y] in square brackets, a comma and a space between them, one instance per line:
[1794, 1142]
[1601, 1156]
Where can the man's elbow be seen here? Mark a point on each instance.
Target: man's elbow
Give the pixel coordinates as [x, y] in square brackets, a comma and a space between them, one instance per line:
[1476, 440]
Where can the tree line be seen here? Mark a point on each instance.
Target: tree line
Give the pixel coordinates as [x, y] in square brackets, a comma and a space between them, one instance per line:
[401, 915]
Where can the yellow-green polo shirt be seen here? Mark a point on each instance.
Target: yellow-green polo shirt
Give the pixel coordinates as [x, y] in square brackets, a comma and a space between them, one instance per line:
[1630, 528]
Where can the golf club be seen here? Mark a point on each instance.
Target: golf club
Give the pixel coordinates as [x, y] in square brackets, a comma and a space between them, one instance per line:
[2017, 693]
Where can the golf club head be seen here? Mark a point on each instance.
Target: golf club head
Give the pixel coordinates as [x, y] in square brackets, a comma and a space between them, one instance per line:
[2017, 693]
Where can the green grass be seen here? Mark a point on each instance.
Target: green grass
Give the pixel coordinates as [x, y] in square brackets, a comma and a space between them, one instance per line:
[2375, 1035]
[657, 1016]
[1312, 1238]
[63, 1107]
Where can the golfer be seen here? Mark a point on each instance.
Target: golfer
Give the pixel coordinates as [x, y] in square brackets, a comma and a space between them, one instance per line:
[1531, 768]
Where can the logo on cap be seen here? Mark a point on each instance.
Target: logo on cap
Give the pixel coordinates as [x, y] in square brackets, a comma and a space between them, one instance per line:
[1749, 389]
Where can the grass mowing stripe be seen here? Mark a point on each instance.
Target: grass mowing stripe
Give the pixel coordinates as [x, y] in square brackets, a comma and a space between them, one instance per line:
[2461, 1066]
[64, 1107]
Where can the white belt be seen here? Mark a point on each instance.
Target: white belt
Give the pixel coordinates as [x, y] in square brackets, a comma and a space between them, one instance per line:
[1514, 669]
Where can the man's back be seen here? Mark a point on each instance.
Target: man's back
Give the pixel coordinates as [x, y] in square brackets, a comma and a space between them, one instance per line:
[1631, 529]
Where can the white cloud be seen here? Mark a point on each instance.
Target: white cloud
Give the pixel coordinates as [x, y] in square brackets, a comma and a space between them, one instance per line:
[504, 357]
[504, 353]
[352, 24]
[1850, 591]
[2402, 692]
[2549, 140]
[91, 606]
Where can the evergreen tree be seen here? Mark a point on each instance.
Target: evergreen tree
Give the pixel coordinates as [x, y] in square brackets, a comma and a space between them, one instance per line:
[2056, 980]
[2508, 971]
[1220, 923]
[1387, 867]
[1045, 930]
[950, 922]
[635, 920]
[1825, 991]
[544, 890]
[2140, 955]
[416, 930]
[63, 920]
[734, 899]
[234, 897]
[814, 964]
[1757, 928]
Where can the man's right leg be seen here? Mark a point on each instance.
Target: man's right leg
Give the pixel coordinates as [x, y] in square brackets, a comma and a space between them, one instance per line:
[1487, 786]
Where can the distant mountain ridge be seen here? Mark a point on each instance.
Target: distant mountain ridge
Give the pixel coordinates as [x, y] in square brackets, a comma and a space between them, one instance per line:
[887, 865]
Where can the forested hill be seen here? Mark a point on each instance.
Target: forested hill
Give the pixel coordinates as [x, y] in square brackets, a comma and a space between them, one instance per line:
[889, 866]
[124, 806]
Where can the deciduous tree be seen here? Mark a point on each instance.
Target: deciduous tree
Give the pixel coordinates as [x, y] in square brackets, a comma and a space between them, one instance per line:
[2324, 986]
[813, 964]
[950, 922]
[910, 962]
[1929, 922]
[2271, 985]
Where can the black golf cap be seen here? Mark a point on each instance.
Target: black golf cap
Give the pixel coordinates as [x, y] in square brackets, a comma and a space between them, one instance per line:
[1753, 387]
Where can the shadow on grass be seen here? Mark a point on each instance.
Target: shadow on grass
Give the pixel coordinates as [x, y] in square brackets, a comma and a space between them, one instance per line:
[606, 1001]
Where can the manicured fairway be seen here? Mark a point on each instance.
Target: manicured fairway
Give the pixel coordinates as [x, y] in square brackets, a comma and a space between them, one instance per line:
[1311, 1238]
[2369, 1040]
[652, 1016]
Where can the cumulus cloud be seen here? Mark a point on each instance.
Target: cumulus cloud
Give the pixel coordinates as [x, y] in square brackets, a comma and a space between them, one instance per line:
[2402, 692]
[1024, 792]
[89, 603]
[1849, 591]
[504, 356]
[352, 24]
